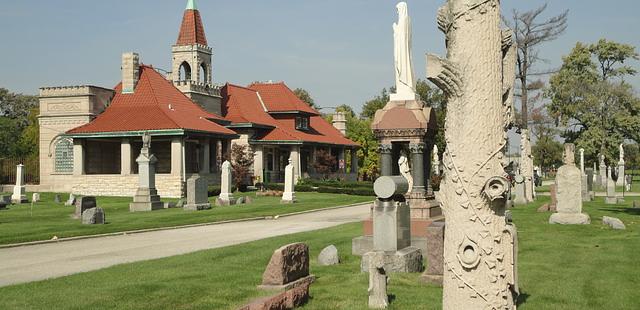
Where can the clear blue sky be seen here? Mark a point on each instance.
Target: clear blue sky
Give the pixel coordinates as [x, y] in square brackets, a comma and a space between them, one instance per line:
[340, 50]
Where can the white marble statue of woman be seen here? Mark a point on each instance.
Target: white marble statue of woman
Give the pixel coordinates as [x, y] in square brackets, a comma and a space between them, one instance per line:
[405, 80]
[621, 153]
[405, 170]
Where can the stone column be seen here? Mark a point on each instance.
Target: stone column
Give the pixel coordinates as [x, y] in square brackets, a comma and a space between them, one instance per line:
[435, 163]
[219, 154]
[313, 159]
[258, 163]
[354, 161]
[78, 157]
[206, 156]
[176, 156]
[417, 167]
[479, 252]
[386, 160]
[429, 167]
[295, 161]
[125, 157]
[341, 157]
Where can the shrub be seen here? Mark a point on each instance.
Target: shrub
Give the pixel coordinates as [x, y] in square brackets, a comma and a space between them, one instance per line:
[241, 161]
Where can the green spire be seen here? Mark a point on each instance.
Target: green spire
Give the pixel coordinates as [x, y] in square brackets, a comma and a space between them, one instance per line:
[191, 5]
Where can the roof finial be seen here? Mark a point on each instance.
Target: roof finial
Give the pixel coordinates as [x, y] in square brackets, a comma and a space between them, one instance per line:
[191, 5]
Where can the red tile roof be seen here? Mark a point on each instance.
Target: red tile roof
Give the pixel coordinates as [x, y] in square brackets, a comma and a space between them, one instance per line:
[155, 105]
[279, 98]
[243, 105]
[191, 30]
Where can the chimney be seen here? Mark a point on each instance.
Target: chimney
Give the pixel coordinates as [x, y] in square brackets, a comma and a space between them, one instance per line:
[340, 122]
[130, 72]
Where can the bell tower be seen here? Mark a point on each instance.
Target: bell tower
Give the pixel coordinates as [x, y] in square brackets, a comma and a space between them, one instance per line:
[191, 62]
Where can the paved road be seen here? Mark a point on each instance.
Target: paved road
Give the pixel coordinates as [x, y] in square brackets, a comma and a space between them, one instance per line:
[39, 262]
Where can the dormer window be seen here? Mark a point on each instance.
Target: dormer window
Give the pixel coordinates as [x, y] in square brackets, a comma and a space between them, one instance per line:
[302, 123]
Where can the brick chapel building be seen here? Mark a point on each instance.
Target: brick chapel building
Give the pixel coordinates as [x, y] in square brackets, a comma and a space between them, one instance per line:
[90, 136]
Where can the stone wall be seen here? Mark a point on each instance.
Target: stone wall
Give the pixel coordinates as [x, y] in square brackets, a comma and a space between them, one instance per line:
[116, 185]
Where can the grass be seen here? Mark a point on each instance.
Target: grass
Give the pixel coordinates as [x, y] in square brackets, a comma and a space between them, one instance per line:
[21, 223]
[560, 267]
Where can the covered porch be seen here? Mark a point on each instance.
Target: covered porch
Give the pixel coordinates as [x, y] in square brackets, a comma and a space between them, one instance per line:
[111, 158]
[270, 161]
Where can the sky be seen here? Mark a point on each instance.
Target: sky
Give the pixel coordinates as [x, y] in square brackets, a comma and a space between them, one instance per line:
[341, 51]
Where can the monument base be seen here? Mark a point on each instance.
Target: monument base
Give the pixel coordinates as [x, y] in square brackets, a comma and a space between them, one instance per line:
[570, 219]
[611, 200]
[363, 244]
[407, 260]
[197, 207]
[146, 199]
[225, 202]
[288, 197]
[20, 200]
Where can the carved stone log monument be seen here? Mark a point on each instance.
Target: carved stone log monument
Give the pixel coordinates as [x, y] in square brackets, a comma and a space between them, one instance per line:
[478, 77]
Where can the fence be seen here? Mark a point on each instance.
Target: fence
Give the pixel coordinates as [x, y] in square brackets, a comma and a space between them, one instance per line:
[8, 170]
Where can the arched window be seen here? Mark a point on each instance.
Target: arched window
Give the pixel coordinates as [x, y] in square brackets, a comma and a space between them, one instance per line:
[184, 72]
[203, 73]
[64, 156]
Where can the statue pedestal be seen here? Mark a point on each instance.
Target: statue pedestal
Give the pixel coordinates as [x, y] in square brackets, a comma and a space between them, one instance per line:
[424, 210]
[146, 199]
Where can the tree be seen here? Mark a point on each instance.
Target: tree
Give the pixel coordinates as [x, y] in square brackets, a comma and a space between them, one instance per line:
[8, 132]
[305, 96]
[28, 144]
[591, 99]
[370, 107]
[241, 162]
[324, 163]
[17, 106]
[547, 151]
[529, 34]
[435, 99]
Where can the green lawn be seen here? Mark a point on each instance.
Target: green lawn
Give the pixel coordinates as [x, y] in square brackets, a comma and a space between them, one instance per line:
[18, 224]
[561, 267]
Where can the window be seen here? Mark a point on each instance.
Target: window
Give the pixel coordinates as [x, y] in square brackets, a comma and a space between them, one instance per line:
[184, 72]
[64, 156]
[302, 122]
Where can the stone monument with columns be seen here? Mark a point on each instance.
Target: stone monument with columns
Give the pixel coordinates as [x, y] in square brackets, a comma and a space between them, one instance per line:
[146, 197]
[19, 195]
[407, 124]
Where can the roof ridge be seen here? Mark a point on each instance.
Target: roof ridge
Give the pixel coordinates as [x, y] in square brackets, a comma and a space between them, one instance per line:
[240, 86]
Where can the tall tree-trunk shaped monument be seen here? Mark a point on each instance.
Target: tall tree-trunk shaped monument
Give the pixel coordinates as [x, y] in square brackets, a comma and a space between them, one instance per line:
[478, 77]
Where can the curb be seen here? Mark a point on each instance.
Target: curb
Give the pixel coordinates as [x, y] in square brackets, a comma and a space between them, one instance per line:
[139, 231]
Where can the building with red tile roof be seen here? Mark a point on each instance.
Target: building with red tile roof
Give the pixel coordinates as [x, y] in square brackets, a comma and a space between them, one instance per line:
[91, 136]
[278, 126]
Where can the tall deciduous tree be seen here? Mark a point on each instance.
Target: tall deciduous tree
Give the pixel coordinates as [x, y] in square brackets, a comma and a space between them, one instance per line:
[304, 95]
[591, 98]
[530, 32]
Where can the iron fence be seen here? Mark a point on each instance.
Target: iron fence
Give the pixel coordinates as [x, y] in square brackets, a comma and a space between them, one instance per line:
[8, 170]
